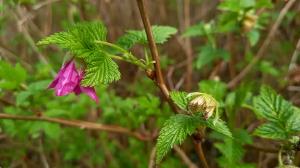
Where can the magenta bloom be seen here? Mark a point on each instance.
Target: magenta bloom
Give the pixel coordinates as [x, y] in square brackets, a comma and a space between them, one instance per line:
[68, 81]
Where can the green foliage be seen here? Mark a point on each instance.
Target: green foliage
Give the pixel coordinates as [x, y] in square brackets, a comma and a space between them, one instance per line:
[218, 126]
[174, 131]
[279, 113]
[180, 99]
[132, 37]
[213, 87]
[253, 37]
[101, 69]
[238, 5]
[267, 68]
[200, 29]
[81, 41]
[11, 77]
[178, 127]
[232, 150]
[208, 54]
[134, 104]
[271, 130]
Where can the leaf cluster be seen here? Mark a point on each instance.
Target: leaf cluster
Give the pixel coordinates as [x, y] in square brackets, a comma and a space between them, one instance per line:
[283, 119]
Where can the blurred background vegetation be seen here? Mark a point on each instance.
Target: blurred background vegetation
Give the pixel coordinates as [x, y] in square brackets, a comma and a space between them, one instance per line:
[216, 40]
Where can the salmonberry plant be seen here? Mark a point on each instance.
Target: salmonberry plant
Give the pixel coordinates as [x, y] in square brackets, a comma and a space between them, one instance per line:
[217, 125]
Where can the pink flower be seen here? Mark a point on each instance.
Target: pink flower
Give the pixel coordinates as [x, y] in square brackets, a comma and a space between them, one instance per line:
[90, 91]
[68, 81]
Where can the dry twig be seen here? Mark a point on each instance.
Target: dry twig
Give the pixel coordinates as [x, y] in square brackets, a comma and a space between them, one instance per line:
[79, 124]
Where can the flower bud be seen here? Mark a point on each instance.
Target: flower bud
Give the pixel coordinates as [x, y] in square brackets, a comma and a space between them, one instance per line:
[197, 104]
[201, 102]
[249, 22]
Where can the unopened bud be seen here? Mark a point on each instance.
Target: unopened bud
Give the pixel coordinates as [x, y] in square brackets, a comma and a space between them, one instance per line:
[249, 22]
[201, 102]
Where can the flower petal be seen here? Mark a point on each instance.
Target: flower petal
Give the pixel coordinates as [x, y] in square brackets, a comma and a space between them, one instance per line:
[90, 91]
[66, 80]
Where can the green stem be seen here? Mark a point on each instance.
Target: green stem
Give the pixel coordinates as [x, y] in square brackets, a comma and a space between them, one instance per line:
[113, 46]
[280, 158]
[248, 107]
[128, 57]
[132, 61]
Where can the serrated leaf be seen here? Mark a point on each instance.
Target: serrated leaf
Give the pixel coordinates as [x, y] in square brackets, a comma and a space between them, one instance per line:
[283, 116]
[174, 131]
[101, 70]
[132, 37]
[271, 130]
[180, 99]
[79, 39]
[293, 123]
[232, 151]
[218, 126]
[178, 127]
[272, 107]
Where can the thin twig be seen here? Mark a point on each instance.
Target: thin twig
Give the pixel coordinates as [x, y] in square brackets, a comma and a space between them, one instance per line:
[152, 158]
[260, 148]
[153, 49]
[186, 160]
[30, 40]
[199, 150]
[42, 154]
[264, 47]
[78, 123]
[294, 56]
[159, 77]
[42, 4]
[188, 45]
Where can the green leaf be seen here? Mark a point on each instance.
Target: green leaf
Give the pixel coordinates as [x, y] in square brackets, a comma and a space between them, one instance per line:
[215, 88]
[271, 130]
[174, 131]
[267, 68]
[264, 4]
[242, 136]
[208, 54]
[180, 99]
[218, 126]
[101, 70]
[293, 123]
[272, 107]
[253, 37]
[283, 116]
[21, 97]
[132, 37]
[232, 151]
[38, 86]
[200, 29]
[11, 76]
[236, 5]
[79, 39]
